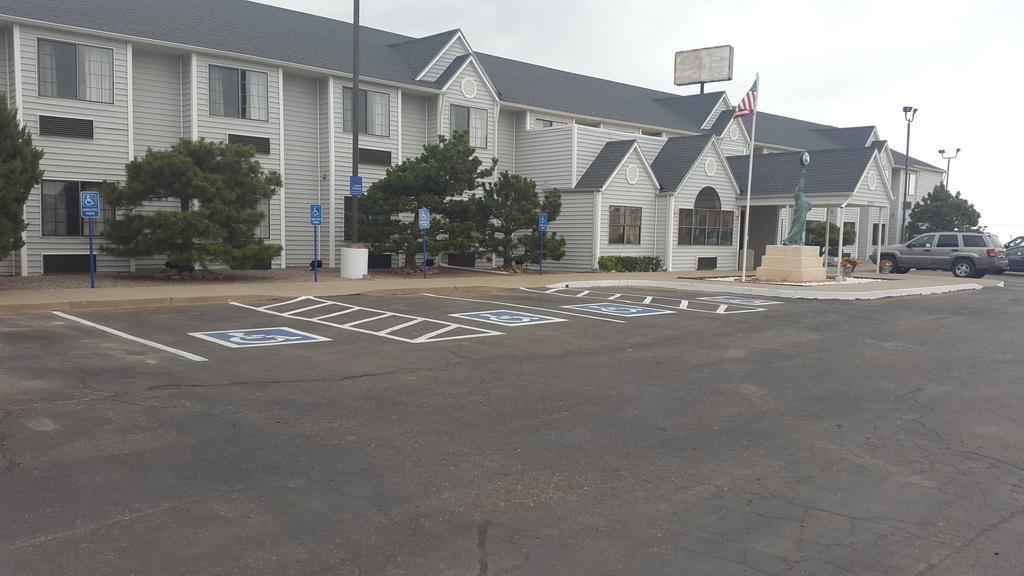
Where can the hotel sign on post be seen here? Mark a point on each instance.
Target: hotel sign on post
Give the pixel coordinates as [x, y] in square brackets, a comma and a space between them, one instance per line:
[703, 65]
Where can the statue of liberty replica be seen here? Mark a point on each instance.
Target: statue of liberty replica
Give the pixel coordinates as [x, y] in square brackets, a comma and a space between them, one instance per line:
[801, 206]
[792, 261]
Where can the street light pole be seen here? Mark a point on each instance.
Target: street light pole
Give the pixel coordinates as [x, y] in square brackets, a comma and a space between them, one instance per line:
[947, 159]
[908, 112]
[355, 117]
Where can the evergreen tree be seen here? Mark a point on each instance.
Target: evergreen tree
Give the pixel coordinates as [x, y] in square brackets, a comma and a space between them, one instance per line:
[941, 211]
[19, 173]
[509, 208]
[816, 236]
[219, 188]
[440, 179]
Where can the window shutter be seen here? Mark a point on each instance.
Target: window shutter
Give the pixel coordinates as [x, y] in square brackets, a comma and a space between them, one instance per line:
[375, 157]
[262, 145]
[61, 126]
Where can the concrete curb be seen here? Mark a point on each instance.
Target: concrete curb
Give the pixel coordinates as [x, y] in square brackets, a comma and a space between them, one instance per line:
[776, 292]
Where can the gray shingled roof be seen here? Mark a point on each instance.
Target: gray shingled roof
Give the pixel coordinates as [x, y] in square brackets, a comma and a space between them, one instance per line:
[830, 172]
[899, 161]
[853, 137]
[676, 158]
[789, 132]
[451, 70]
[604, 165]
[722, 122]
[542, 87]
[259, 30]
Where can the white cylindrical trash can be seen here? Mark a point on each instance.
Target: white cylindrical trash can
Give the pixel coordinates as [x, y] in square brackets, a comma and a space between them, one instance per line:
[354, 263]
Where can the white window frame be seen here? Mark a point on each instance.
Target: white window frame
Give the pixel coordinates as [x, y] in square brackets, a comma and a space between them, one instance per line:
[251, 106]
[106, 90]
[376, 115]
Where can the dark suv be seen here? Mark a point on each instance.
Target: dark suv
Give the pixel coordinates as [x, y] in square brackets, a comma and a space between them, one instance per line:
[966, 254]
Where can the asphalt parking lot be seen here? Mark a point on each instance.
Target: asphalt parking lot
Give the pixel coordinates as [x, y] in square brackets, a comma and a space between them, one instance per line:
[632, 431]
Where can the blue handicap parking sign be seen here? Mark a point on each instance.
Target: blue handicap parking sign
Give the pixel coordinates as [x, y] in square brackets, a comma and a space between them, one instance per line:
[542, 221]
[619, 309]
[508, 317]
[738, 300]
[316, 215]
[253, 337]
[355, 186]
[424, 218]
[90, 204]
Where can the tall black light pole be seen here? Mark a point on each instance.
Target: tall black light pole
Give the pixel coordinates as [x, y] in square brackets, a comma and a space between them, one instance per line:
[947, 159]
[909, 112]
[356, 116]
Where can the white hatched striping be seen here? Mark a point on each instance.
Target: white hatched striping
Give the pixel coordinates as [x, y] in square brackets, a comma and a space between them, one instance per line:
[663, 301]
[437, 335]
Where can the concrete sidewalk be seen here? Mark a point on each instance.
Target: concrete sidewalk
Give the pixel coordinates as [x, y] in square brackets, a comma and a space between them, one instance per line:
[78, 299]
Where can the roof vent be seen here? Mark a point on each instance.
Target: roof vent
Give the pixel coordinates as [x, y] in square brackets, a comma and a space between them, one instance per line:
[469, 87]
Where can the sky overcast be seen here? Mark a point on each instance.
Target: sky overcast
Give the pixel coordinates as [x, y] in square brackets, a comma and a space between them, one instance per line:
[834, 62]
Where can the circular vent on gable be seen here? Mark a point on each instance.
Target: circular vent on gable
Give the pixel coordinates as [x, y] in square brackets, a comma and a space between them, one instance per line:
[468, 87]
[734, 132]
[872, 180]
[632, 174]
[710, 166]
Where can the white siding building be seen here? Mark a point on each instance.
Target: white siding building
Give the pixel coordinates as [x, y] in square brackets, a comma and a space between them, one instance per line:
[99, 82]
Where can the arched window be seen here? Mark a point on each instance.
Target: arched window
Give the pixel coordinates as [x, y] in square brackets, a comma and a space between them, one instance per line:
[707, 199]
[707, 224]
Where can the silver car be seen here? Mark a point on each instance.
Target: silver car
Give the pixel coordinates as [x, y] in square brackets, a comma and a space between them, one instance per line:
[965, 254]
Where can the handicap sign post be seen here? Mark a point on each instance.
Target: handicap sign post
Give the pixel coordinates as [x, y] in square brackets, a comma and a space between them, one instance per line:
[424, 218]
[316, 220]
[542, 225]
[90, 205]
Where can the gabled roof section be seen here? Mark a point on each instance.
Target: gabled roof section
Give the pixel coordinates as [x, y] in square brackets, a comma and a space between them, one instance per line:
[457, 36]
[420, 52]
[606, 164]
[677, 157]
[773, 129]
[723, 121]
[832, 172]
[900, 160]
[456, 68]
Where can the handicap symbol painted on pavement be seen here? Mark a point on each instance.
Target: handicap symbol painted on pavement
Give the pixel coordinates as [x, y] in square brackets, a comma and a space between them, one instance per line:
[508, 317]
[738, 300]
[619, 309]
[252, 337]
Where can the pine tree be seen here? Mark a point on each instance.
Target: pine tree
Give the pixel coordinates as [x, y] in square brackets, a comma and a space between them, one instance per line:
[507, 210]
[941, 211]
[219, 188]
[440, 179]
[19, 173]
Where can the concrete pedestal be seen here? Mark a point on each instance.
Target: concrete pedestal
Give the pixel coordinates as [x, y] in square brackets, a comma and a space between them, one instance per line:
[354, 263]
[791, 264]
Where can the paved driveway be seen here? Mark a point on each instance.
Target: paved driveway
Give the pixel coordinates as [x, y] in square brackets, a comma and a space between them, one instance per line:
[517, 432]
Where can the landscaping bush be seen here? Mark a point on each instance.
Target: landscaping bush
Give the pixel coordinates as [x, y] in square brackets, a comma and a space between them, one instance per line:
[629, 263]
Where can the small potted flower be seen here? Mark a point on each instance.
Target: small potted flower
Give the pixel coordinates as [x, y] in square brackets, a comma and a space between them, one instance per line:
[850, 264]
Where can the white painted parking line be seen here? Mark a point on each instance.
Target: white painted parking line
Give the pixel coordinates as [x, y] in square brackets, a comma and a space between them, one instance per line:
[661, 301]
[555, 311]
[149, 343]
[292, 301]
[738, 300]
[405, 322]
[308, 308]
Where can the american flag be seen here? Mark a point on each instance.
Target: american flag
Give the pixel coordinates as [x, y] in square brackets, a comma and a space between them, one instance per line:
[748, 104]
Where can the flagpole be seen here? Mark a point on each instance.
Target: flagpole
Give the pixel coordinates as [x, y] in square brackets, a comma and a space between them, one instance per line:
[750, 179]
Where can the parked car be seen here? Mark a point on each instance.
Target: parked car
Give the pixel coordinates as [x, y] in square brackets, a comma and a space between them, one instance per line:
[1016, 242]
[1015, 259]
[965, 254]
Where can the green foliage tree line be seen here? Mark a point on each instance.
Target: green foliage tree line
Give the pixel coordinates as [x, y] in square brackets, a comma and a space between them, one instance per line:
[942, 211]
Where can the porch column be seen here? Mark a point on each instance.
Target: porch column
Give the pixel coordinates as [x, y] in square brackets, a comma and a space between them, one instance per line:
[839, 249]
[878, 243]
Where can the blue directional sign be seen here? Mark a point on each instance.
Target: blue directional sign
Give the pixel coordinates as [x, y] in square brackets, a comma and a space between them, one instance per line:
[316, 215]
[424, 218]
[355, 186]
[542, 221]
[253, 337]
[508, 317]
[619, 309]
[90, 204]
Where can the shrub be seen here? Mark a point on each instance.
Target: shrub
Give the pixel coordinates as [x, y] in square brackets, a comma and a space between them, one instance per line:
[629, 263]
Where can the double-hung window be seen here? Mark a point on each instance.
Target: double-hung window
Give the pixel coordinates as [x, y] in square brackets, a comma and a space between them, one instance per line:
[62, 214]
[76, 71]
[238, 93]
[374, 112]
[624, 224]
[473, 120]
